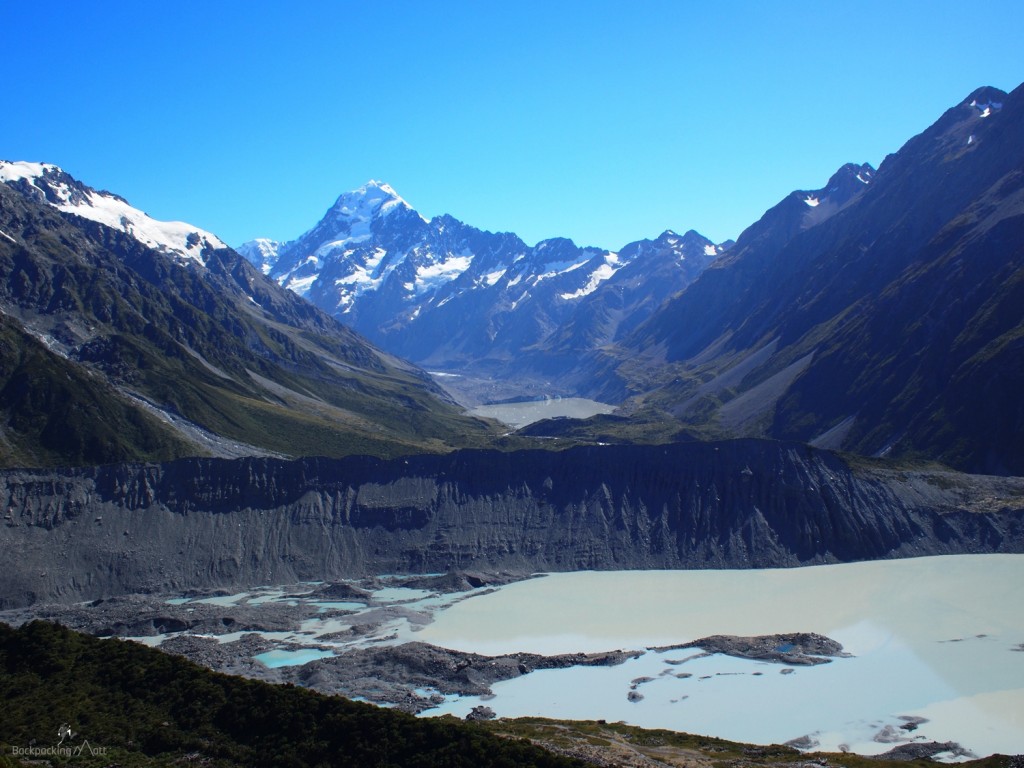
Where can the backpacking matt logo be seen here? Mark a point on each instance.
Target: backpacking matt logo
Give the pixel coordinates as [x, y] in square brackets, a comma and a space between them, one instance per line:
[60, 749]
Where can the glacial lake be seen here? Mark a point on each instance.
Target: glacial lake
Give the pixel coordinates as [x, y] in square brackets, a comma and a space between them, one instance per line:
[518, 415]
[936, 643]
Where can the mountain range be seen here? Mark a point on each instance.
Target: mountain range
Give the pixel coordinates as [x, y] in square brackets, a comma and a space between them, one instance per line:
[889, 326]
[453, 298]
[122, 337]
[878, 314]
[256, 418]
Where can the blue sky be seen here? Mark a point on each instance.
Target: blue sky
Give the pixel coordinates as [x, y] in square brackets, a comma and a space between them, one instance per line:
[605, 122]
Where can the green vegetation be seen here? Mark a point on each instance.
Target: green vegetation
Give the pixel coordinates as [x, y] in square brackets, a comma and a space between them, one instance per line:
[91, 321]
[140, 707]
[58, 413]
[648, 426]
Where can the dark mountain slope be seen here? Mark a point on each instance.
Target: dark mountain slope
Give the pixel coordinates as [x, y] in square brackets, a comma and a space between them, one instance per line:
[654, 270]
[57, 412]
[889, 326]
[207, 354]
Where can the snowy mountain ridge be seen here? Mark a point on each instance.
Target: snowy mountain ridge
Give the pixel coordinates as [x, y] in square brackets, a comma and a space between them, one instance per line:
[365, 250]
[50, 184]
[442, 292]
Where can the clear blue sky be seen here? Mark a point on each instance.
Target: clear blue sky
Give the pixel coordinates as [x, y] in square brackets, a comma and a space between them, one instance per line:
[604, 122]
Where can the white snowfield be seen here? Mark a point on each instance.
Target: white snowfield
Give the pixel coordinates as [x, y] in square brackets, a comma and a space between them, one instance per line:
[177, 238]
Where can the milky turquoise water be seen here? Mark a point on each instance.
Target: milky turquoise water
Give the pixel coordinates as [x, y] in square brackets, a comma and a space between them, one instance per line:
[280, 658]
[932, 638]
[520, 414]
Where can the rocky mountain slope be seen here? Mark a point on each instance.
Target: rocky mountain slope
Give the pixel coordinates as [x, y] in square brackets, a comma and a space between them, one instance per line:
[93, 532]
[122, 337]
[879, 315]
[452, 297]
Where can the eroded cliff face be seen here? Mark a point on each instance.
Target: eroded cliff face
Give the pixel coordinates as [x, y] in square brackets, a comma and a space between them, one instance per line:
[199, 523]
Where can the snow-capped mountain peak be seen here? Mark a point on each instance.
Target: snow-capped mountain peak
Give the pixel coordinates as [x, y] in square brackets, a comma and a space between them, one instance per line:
[372, 200]
[441, 290]
[50, 184]
[357, 220]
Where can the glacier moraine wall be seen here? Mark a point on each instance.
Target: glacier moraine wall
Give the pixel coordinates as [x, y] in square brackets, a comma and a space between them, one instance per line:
[80, 534]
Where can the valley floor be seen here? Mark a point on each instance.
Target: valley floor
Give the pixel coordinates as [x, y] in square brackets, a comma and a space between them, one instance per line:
[931, 648]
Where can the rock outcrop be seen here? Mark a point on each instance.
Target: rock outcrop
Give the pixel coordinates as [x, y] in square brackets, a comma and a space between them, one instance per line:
[799, 648]
[86, 533]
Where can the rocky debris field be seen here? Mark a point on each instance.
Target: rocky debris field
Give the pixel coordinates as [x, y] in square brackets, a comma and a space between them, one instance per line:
[356, 625]
[358, 637]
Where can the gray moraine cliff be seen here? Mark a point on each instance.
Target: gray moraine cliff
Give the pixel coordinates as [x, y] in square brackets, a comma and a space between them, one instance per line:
[82, 534]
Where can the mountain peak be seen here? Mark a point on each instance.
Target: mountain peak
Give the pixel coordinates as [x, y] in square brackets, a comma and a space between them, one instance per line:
[383, 186]
[985, 96]
[372, 200]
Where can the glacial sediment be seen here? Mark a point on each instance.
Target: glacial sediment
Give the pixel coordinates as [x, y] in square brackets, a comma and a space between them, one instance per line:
[83, 534]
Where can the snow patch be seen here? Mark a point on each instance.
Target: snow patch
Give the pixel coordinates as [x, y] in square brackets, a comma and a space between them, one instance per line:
[432, 275]
[343, 243]
[986, 108]
[301, 285]
[710, 250]
[597, 277]
[492, 277]
[561, 267]
[519, 301]
[556, 268]
[5, 235]
[365, 276]
[812, 201]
